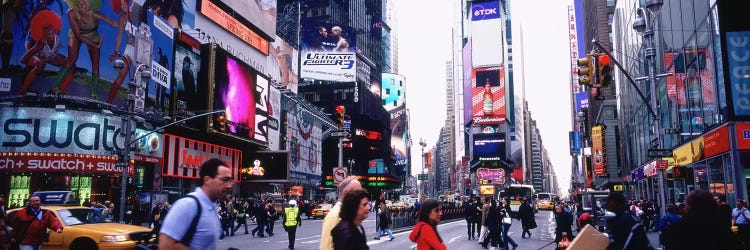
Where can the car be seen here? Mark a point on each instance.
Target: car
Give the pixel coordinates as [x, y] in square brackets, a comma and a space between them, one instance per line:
[545, 205]
[83, 228]
[320, 211]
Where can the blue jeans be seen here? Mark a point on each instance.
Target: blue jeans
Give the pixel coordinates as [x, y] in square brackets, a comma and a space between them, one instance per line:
[382, 231]
[507, 239]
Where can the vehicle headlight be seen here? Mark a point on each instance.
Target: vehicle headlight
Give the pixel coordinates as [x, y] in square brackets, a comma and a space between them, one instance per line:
[114, 238]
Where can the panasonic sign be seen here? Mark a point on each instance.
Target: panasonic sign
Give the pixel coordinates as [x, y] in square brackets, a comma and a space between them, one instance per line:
[485, 11]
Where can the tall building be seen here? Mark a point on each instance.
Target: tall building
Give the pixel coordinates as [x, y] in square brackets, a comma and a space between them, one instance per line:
[449, 130]
[537, 156]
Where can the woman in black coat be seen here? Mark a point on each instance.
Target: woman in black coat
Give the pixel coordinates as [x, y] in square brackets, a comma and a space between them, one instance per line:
[526, 215]
[349, 233]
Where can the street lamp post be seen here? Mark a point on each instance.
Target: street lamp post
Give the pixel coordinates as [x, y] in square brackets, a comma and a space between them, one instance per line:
[423, 144]
[643, 25]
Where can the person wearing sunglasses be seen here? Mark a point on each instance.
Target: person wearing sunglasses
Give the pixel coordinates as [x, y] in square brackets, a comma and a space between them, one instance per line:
[199, 206]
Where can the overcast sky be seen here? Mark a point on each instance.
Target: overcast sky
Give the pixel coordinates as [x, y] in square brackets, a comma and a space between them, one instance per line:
[425, 46]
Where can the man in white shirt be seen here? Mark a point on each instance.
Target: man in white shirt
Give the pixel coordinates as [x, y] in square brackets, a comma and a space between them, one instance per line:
[332, 218]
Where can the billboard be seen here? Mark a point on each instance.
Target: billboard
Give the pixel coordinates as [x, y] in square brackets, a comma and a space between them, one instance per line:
[734, 34]
[486, 36]
[274, 119]
[328, 52]
[260, 14]
[184, 157]
[488, 95]
[599, 159]
[187, 101]
[240, 30]
[265, 166]
[393, 91]
[304, 142]
[82, 66]
[282, 64]
[467, 72]
[241, 93]
[491, 176]
[691, 82]
[488, 147]
[399, 137]
[577, 41]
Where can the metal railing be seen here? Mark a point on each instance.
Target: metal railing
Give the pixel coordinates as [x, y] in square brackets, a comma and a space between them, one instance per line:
[408, 217]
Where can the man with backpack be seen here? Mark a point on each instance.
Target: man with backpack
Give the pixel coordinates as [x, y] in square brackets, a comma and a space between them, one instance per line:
[199, 209]
[625, 230]
[664, 225]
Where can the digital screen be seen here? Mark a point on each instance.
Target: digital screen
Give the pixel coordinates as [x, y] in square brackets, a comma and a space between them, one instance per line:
[489, 146]
[265, 166]
[187, 67]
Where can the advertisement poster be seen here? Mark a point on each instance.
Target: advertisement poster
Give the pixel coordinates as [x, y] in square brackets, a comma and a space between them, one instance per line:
[691, 82]
[328, 52]
[274, 118]
[598, 159]
[468, 81]
[259, 13]
[486, 38]
[266, 166]
[304, 142]
[158, 89]
[491, 176]
[187, 53]
[79, 63]
[489, 147]
[184, 157]
[488, 95]
[282, 58]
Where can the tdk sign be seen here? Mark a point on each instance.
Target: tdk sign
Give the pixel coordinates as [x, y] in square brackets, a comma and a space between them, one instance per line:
[485, 11]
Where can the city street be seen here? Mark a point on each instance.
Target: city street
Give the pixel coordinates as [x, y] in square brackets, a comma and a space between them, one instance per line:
[453, 234]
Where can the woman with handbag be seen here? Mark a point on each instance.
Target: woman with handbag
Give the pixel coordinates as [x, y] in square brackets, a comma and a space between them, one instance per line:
[425, 233]
[507, 222]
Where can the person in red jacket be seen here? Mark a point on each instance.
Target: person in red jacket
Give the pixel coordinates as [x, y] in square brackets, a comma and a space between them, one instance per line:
[425, 233]
[30, 224]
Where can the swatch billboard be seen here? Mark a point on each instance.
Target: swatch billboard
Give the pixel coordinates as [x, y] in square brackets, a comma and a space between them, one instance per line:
[241, 93]
[46, 54]
[488, 95]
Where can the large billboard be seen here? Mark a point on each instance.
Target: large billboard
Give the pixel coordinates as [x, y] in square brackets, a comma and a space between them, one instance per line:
[187, 101]
[265, 166]
[599, 159]
[488, 95]
[393, 96]
[282, 64]
[224, 17]
[184, 157]
[241, 93]
[393, 91]
[734, 34]
[260, 14]
[691, 82]
[304, 142]
[467, 72]
[577, 42]
[486, 36]
[47, 54]
[488, 147]
[328, 52]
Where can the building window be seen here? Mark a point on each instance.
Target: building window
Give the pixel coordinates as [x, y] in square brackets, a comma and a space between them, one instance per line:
[387, 91]
[611, 3]
[398, 92]
[610, 17]
[394, 103]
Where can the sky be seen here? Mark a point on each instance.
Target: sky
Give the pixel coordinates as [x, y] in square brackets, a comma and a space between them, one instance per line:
[425, 46]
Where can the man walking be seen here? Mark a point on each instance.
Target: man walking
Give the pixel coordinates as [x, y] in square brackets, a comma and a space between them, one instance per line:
[332, 218]
[485, 210]
[260, 218]
[199, 209]
[292, 221]
[31, 223]
[384, 223]
[470, 211]
[271, 218]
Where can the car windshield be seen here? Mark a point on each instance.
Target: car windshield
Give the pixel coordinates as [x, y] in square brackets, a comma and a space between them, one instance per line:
[78, 216]
[324, 206]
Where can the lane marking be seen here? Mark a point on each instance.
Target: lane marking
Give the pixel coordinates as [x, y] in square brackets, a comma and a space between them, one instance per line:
[374, 242]
[452, 240]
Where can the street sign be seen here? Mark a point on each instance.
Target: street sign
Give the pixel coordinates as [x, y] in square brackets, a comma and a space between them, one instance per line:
[662, 164]
[659, 153]
[339, 175]
[339, 133]
[422, 177]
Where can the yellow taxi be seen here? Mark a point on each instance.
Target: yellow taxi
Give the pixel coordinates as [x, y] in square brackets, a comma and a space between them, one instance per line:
[320, 211]
[545, 205]
[85, 228]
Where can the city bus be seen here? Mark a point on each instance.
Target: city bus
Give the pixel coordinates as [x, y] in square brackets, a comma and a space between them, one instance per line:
[516, 192]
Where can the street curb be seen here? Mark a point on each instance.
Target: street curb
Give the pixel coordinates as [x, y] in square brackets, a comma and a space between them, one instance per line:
[404, 229]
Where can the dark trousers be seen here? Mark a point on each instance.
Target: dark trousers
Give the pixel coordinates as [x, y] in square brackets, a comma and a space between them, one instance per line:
[269, 227]
[292, 233]
[259, 228]
[470, 226]
[559, 234]
[240, 222]
[493, 238]
[479, 227]
[525, 231]
[744, 232]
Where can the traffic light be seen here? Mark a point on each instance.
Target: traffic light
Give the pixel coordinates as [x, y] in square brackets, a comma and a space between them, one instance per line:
[340, 114]
[587, 70]
[222, 123]
[605, 70]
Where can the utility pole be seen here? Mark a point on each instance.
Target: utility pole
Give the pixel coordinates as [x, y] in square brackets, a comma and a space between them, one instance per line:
[423, 144]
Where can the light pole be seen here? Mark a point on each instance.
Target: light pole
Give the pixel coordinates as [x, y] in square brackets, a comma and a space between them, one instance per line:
[643, 24]
[423, 144]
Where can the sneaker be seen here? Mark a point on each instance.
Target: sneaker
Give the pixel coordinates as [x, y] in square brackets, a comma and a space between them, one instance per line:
[392, 238]
[376, 238]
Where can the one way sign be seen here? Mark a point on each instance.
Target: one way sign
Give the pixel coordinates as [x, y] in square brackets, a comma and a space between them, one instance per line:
[339, 133]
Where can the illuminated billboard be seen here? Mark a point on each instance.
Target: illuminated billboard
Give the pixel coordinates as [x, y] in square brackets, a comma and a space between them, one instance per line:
[486, 37]
[488, 95]
[265, 166]
[187, 101]
[224, 18]
[599, 158]
[241, 93]
[260, 14]
[328, 52]
[488, 147]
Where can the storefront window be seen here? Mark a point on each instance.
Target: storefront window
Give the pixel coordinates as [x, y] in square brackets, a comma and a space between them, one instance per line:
[745, 164]
[716, 176]
[701, 176]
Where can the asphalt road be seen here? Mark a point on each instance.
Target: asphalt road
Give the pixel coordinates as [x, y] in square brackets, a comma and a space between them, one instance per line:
[453, 234]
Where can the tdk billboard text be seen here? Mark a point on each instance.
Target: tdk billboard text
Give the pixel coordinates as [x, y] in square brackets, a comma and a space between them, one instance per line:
[485, 11]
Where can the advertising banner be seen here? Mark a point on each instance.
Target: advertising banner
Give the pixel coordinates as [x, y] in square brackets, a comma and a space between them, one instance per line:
[492, 176]
[57, 162]
[282, 64]
[734, 34]
[582, 101]
[329, 66]
[261, 14]
[689, 152]
[328, 37]
[691, 82]
[716, 141]
[487, 189]
[227, 21]
[577, 40]
[159, 87]
[743, 136]
[184, 157]
[304, 142]
[150, 147]
[399, 137]
[45, 130]
[243, 95]
[488, 95]
[274, 116]
[79, 64]
[487, 47]
[266, 166]
[598, 159]
[187, 54]
[488, 147]
[468, 81]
